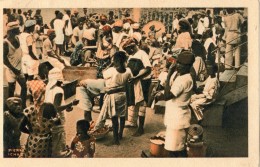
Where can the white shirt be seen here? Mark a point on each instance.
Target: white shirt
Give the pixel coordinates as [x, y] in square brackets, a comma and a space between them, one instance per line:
[211, 88]
[23, 42]
[201, 27]
[208, 42]
[143, 56]
[113, 78]
[206, 22]
[68, 29]
[49, 98]
[115, 37]
[89, 33]
[177, 114]
[77, 33]
[175, 24]
[58, 27]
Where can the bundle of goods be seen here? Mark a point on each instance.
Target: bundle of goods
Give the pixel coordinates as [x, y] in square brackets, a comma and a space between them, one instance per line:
[100, 133]
[195, 145]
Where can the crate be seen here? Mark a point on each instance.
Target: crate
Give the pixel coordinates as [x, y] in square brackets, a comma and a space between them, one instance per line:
[69, 88]
[73, 73]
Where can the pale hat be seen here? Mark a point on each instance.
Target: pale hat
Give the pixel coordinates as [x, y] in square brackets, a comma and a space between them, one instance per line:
[126, 26]
[118, 23]
[29, 23]
[136, 26]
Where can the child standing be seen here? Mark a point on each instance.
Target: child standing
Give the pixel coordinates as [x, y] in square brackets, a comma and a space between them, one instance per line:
[83, 145]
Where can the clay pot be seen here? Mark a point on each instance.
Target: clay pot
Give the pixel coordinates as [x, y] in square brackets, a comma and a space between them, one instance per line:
[157, 149]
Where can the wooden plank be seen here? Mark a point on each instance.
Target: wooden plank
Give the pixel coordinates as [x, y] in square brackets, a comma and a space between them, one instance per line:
[228, 76]
[236, 95]
[242, 76]
[213, 115]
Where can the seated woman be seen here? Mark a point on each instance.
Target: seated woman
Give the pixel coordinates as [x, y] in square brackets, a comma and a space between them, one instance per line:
[209, 92]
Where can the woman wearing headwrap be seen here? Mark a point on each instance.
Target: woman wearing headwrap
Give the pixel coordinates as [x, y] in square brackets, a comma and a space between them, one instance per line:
[104, 50]
[38, 122]
[12, 119]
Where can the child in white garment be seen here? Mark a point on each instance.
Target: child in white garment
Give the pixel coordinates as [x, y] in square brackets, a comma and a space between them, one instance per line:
[209, 92]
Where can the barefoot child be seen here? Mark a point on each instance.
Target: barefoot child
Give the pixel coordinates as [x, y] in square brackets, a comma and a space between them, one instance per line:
[83, 145]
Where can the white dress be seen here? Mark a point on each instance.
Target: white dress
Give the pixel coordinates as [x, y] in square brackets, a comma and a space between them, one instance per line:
[58, 27]
[68, 29]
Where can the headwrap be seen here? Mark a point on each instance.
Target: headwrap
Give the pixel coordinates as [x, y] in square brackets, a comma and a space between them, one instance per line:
[126, 26]
[103, 17]
[137, 36]
[129, 42]
[136, 26]
[29, 23]
[37, 88]
[12, 25]
[13, 100]
[50, 31]
[118, 23]
[186, 58]
[106, 28]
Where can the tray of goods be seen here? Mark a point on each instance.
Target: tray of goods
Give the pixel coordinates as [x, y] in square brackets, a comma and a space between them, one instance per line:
[100, 133]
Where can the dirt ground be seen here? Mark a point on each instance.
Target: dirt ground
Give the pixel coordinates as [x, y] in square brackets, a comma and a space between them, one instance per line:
[231, 140]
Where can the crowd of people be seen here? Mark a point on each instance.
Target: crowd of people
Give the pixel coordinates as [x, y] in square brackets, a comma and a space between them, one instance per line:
[126, 59]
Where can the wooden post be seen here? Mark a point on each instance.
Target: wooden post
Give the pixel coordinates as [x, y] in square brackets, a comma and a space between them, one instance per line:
[218, 54]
